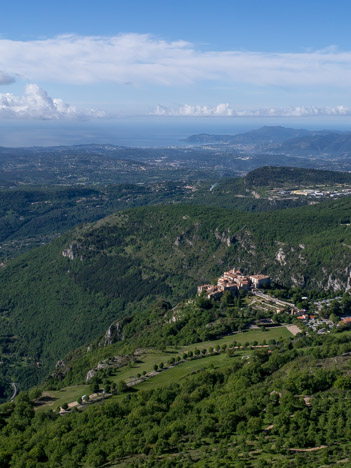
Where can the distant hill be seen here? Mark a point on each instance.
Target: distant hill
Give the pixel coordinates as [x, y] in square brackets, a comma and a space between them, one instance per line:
[288, 142]
[242, 193]
[277, 176]
[330, 144]
[263, 135]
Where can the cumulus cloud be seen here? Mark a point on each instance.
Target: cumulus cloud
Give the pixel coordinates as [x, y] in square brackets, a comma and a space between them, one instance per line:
[142, 58]
[225, 110]
[36, 104]
[197, 110]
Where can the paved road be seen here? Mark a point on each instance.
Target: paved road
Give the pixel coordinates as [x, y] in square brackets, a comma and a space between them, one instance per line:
[273, 299]
[14, 391]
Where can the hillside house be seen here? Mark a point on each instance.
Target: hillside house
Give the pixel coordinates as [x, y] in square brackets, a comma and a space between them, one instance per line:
[260, 281]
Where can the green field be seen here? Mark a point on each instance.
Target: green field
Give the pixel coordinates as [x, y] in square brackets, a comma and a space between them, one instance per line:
[66, 395]
[250, 336]
[146, 362]
[183, 370]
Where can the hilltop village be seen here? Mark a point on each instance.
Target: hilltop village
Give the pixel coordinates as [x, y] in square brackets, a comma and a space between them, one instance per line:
[233, 281]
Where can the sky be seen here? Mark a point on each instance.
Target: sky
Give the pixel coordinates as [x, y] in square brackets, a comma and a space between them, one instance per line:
[237, 59]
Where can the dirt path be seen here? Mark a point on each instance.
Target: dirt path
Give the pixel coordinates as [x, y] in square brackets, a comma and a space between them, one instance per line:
[313, 449]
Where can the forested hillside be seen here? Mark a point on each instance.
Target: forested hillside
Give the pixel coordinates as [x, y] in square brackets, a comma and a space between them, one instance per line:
[32, 216]
[294, 177]
[50, 303]
[283, 405]
[138, 269]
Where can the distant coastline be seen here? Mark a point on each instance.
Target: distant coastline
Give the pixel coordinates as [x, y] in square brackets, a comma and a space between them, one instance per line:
[150, 131]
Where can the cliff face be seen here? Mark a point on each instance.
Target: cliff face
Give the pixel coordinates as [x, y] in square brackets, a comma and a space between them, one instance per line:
[71, 251]
[198, 246]
[114, 333]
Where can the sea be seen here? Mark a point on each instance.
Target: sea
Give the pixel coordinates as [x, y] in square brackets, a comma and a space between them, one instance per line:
[149, 131]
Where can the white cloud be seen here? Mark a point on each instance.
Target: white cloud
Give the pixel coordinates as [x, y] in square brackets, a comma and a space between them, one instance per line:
[36, 104]
[224, 110]
[142, 58]
[197, 110]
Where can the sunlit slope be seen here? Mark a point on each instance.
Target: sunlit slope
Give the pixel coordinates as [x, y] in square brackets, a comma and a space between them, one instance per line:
[50, 304]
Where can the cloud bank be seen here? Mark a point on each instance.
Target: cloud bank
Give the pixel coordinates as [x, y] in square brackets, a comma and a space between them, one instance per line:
[142, 58]
[36, 104]
[225, 110]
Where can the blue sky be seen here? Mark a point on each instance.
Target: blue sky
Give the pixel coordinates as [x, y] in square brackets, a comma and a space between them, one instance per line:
[225, 58]
[270, 25]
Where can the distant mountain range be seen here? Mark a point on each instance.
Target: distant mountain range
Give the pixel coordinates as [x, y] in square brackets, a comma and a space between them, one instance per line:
[287, 141]
[317, 144]
[263, 135]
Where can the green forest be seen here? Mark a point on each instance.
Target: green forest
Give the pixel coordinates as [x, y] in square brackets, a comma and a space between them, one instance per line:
[266, 410]
[98, 296]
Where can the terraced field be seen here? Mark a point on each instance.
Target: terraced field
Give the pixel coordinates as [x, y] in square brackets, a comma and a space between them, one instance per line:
[146, 362]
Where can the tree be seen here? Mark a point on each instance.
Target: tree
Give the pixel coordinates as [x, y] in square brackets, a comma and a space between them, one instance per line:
[203, 302]
[334, 308]
[334, 318]
[346, 303]
[155, 367]
[35, 393]
[23, 412]
[94, 387]
[122, 386]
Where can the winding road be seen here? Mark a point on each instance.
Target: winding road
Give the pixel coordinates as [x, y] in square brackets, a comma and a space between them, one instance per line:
[14, 391]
